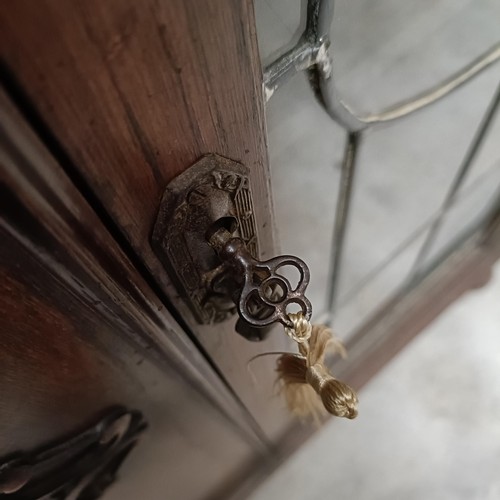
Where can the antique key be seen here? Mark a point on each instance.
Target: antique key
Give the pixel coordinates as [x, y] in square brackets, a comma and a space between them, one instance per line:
[260, 287]
[304, 374]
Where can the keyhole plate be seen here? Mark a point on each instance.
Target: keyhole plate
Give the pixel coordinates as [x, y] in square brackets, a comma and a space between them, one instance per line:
[214, 192]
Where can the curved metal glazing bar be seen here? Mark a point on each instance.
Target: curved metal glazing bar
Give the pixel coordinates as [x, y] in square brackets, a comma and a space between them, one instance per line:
[299, 58]
[312, 53]
[344, 114]
[351, 150]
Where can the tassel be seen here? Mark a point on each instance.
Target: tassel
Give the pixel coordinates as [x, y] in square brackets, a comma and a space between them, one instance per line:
[304, 376]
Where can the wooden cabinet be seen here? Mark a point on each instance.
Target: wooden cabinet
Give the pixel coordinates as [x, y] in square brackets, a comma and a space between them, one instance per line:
[82, 333]
[103, 104]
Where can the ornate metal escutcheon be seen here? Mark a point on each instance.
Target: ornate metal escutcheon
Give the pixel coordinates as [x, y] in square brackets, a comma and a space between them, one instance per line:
[206, 237]
[78, 468]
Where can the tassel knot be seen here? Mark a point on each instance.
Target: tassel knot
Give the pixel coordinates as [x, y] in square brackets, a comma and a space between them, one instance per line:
[305, 376]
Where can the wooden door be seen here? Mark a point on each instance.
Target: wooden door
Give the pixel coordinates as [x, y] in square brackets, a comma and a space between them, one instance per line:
[104, 104]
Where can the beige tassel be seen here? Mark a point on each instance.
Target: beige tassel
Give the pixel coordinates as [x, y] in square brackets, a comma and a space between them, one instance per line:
[305, 376]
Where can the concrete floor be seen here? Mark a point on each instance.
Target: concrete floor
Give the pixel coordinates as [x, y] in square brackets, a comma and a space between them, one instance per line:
[428, 426]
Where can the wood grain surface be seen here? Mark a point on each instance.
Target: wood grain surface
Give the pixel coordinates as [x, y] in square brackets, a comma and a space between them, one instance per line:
[130, 93]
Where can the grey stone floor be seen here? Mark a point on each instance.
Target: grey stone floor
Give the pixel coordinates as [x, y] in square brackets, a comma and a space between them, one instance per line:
[428, 426]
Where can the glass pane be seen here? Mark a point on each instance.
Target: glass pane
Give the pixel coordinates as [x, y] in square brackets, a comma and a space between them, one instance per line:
[305, 150]
[279, 25]
[384, 282]
[473, 205]
[405, 171]
[383, 51]
[391, 49]
[488, 155]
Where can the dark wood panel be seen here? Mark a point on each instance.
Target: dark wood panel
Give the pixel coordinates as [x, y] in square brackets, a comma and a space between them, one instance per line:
[47, 377]
[56, 377]
[42, 208]
[80, 332]
[135, 92]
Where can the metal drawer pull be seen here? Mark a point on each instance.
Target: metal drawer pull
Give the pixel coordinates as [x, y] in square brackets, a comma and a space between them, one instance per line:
[80, 466]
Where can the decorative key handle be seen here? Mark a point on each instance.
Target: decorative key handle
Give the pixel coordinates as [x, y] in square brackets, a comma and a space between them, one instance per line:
[263, 295]
[308, 386]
